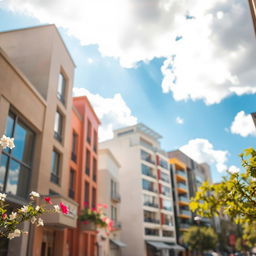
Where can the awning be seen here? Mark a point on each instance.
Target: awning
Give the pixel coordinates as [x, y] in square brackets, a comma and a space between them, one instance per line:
[159, 245]
[118, 243]
[162, 245]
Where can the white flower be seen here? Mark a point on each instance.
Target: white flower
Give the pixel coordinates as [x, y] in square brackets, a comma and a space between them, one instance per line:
[13, 216]
[233, 169]
[33, 220]
[2, 197]
[34, 194]
[15, 233]
[7, 142]
[40, 222]
[56, 208]
[37, 208]
[24, 208]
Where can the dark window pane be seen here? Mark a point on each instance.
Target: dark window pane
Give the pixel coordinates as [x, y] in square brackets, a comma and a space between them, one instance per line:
[93, 198]
[55, 162]
[18, 179]
[23, 139]
[86, 192]
[89, 131]
[3, 168]
[88, 162]
[9, 125]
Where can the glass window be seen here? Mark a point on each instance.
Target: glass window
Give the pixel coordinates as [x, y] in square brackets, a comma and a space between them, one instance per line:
[93, 198]
[168, 233]
[113, 213]
[58, 126]
[71, 184]
[166, 191]
[89, 131]
[95, 142]
[15, 165]
[113, 188]
[150, 201]
[148, 185]
[167, 204]
[151, 232]
[94, 169]
[86, 192]
[74, 147]
[55, 167]
[88, 162]
[61, 88]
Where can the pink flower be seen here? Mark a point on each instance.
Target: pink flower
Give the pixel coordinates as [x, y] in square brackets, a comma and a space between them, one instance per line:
[86, 204]
[105, 206]
[94, 209]
[64, 208]
[48, 200]
[4, 216]
[85, 222]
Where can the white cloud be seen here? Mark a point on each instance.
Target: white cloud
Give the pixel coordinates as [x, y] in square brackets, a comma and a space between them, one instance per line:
[214, 58]
[112, 112]
[179, 120]
[201, 150]
[243, 125]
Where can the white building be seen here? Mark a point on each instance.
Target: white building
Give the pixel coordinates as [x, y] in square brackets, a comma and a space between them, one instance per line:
[146, 208]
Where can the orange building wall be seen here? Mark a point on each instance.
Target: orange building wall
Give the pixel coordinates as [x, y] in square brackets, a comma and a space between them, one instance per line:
[81, 242]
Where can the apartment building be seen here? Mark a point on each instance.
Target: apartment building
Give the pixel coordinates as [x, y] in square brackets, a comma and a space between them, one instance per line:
[252, 4]
[187, 176]
[83, 172]
[36, 73]
[146, 210]
[108, 194]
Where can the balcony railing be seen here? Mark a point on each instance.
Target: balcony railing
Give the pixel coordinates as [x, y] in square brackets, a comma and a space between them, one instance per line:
[166, 193]
[185, 212]
[165, 179]
[151, 204]
[150, 189]
[149, 174]
[115, 197]
[151, 220]
[183, 199]
[182, 186]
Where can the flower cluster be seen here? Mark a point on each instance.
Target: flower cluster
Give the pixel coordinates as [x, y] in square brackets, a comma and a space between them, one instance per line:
[96, 216]
[7, 142]
[9, 221]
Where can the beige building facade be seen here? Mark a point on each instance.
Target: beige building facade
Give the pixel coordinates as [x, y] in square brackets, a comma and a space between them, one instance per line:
[36, 73]
[108, 194]
[146, 208]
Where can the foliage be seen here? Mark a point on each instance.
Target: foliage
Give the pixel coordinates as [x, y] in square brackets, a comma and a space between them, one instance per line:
[235, 196]
[10, 221]
[200, 239]
[96, 216]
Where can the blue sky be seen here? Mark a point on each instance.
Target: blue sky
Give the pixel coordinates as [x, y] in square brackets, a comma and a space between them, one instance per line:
[134, 81]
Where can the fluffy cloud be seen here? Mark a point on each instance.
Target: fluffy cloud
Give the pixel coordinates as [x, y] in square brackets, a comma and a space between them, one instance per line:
[179, 120]
[112, 112]
[243, 125]
[201, 150]
[233, 169]
[208, 46]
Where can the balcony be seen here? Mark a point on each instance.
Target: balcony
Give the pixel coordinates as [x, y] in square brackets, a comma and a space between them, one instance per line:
[184, 226]
[149, 174]
[115, 197]
[61, 220]
[183, 200]
[150, 189]
[181, 173]
[154, 205]
[182, 188]
[151, 220]
[185, 213]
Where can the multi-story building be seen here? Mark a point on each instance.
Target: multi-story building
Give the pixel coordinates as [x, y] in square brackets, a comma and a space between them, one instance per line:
[108, 194]
[252, 4]
[35, 101]
[83, 174]
[147, 206]
[187, 176]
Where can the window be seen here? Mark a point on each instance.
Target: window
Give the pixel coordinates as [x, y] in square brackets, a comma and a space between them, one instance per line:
[167, 220]
[94, 175]
[163, 164]
[167, 233]
[166, 191]
[89, 131]
[146, 170]
[55, 167]
[58, 126]
[74, 147]
[15, 165]
[113, 213]
[165, 177]
[167, 204]
[88, 162]
[151, 217]
[148, 185]
[151, 232]
[71, 191]
[95, 142]
[93, 198]
[150, 201]
[113, 188]
[61, 88]
[86, 192]
[146, 157]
